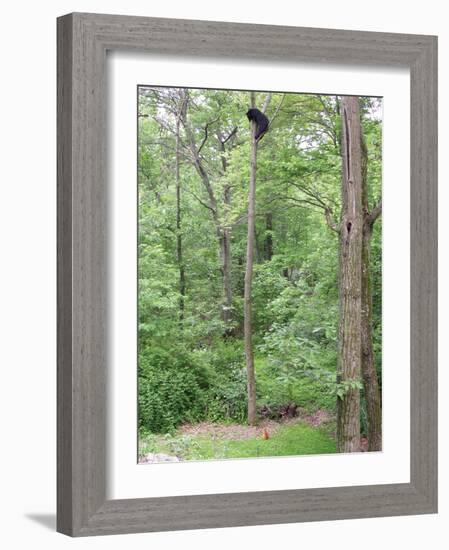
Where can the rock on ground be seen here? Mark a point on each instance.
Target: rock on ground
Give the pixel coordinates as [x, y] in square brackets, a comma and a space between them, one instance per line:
[150, 458]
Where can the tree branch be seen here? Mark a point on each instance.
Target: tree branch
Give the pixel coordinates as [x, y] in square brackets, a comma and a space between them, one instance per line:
[300, 202]
[205, 134]
[316, 203]
[208, 206]
[375, 213]
[276, 112]
[330, 221]
[223, 142]
[266, 102]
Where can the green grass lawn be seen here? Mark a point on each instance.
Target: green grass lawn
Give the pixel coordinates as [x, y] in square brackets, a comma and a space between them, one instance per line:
[296, 439]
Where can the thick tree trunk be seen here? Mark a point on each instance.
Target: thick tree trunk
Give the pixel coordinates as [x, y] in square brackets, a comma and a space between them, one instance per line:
[369, 374]
[351, 233]
[251, 382]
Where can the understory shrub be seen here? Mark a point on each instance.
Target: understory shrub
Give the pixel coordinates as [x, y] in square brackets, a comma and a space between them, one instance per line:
[179, 385]
[172, 389]
[225, 365]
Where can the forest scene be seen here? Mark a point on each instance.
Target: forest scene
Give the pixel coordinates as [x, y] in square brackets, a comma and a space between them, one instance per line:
[259, 274]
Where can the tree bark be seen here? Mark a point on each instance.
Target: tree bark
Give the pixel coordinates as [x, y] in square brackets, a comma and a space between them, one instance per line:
[351, 234]
[251, 382]
[369, 374]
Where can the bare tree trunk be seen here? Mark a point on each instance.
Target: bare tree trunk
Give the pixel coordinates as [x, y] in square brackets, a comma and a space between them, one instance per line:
[369, 374]
[351, 233]
[251, 382]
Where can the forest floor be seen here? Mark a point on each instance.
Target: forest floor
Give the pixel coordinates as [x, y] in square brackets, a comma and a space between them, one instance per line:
[303, 435]
[243, 431]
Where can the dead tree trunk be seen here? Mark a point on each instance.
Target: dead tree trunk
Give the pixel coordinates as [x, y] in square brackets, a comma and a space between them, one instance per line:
[351, 234]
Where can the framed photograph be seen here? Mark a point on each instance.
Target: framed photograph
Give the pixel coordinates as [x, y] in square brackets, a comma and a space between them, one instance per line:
[247, 278]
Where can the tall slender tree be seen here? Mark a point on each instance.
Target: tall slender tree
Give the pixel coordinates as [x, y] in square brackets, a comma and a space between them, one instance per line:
[248, 328]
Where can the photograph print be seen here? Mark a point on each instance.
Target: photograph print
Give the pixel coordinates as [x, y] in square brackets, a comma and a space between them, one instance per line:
[259, 274]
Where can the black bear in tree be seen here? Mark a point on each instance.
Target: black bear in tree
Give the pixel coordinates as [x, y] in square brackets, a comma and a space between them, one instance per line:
[261, 121]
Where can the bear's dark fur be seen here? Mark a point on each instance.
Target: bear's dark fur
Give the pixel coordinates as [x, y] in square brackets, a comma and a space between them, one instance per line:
[261, 121]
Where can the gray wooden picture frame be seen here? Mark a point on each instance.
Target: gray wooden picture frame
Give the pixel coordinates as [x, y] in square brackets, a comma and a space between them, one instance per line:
[83, 40]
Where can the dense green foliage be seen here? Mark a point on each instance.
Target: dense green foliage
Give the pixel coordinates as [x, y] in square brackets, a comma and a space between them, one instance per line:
[191, 362]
